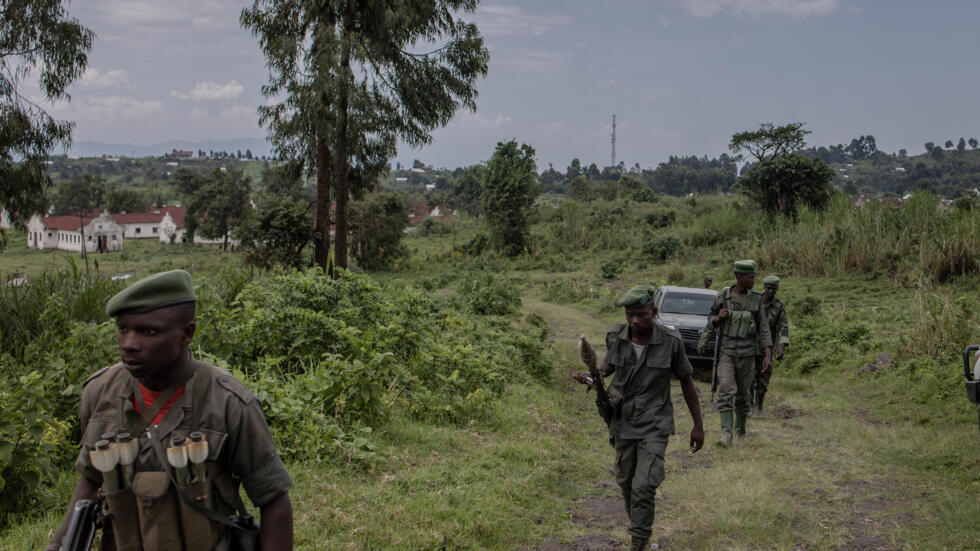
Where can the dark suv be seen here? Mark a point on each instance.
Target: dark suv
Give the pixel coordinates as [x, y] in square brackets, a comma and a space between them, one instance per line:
[686, 310]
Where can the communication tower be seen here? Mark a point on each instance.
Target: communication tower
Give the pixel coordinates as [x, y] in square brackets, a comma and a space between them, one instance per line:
[614, 141]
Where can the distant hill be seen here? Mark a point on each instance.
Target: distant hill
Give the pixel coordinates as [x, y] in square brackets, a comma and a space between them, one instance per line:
[258, 146]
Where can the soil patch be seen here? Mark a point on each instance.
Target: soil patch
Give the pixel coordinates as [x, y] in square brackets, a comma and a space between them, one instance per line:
[684, 460]
[783, 412]
[583, 543]
[595, 512]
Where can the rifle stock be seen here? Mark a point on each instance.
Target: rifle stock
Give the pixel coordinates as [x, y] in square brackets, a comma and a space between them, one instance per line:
[81, 528]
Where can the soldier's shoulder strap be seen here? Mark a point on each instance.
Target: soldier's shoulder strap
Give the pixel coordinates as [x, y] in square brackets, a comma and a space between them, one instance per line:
[671, 332]
[228, 381]
[615, 328]
[98, 374]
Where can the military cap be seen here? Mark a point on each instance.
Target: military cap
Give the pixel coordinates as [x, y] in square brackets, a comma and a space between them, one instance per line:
[708, 277]
[156, 291]
[745, 266]
[771, 280]
[638, 296]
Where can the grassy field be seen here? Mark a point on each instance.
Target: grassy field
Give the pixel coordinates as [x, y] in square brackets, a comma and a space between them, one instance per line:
[841, 461]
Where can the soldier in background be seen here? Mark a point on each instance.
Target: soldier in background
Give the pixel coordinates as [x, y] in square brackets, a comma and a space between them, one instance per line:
[779, 329]
[740, 317]
[707, 281]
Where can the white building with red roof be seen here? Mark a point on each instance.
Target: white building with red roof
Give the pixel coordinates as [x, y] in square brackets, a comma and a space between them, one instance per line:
[146, 225]
[101, 233]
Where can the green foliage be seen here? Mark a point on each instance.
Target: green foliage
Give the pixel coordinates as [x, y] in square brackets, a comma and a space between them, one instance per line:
[125, 199]
[467, 190]
[218, 202]
[770, 142]
[661, 248]
[377, 227]
[788, 182]
[80, 195]
[276, 233]
[487, 294]
[611, 268]
[509, 190]
[37, 37]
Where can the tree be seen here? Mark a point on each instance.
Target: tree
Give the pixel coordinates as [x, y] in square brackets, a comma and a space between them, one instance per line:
[949, 144]
[219, 204]
[357, 77]
[120, 199]
[35, 37]
[277, 232]
[80, 196]
[973, 143]
[770, 141]
[580, 188]
[509, 190]
[377, 226]
[467, 190]
[937, 154]
[782, 185]
[961, 145]
[902, 154]
[929, 147]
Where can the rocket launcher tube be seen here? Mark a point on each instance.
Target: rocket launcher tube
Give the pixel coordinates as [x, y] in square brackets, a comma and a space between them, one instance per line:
[197, 453]
[127, 449]
[104, 458]
[177, 457]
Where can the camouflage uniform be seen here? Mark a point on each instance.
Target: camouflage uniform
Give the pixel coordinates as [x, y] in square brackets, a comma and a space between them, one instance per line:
[779, 329]
[240, 447]
[643, 415]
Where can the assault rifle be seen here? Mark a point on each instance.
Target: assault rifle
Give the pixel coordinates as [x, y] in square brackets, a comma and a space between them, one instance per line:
[86, 517]
[714, 364]
[594, 379]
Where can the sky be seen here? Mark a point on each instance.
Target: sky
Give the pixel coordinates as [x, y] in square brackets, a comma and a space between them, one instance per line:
[681, 76]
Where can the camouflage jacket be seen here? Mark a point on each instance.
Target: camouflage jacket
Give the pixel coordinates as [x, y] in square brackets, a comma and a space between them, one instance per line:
[752, 345]
[778, 320]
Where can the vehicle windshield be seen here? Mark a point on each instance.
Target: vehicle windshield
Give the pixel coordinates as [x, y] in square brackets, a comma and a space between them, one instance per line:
[687, 303]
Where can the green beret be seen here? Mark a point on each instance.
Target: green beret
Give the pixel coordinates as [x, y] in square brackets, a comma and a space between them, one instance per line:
[638, 296]
[156, 291]
[771, 280]
[708, 277]
[745, 266]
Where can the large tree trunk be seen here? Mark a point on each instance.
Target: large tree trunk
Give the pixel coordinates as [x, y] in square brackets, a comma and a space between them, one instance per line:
[321, 252]
[341, 164]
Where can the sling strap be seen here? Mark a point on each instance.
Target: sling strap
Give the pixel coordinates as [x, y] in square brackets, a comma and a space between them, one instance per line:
[148, 413]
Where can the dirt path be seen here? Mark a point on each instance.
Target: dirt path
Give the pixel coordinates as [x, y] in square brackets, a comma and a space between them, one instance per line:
[809, 476]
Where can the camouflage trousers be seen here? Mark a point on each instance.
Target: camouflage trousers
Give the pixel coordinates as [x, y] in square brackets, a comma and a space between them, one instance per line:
[761, 377]
[735, 377]
[639, 471]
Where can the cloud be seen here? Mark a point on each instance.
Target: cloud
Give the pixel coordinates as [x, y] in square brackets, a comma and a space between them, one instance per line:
[120, 107]
[476, 120]
[95, 79]
[512, 20]
[211, 91]
[534, 62]
[790, 8]
[237, 113]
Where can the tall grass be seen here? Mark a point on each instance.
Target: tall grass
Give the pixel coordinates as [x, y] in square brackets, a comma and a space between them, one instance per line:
[23, 308]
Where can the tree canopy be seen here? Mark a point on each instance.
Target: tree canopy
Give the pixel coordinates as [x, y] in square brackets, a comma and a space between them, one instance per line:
[770, 141]
[36, 37]
[509, 190]
[784, 184]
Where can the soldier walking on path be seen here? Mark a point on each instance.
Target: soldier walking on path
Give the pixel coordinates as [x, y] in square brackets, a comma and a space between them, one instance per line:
[642, 356]
[738, 313]
[779, 330]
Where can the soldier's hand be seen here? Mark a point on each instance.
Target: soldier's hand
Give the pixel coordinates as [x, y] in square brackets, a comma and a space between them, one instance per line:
[778, 355]
[697, 438]
[722, 314]
[581, 377]
[766, 364]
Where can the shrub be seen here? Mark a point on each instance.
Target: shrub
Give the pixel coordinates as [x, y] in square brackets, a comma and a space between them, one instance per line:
[662, 248]
[487, 294]
[611, 268]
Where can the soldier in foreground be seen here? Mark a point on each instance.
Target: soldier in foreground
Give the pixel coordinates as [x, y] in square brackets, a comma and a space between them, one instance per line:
[744, 332]
[167, 439]
[779, 330]
[642, 356]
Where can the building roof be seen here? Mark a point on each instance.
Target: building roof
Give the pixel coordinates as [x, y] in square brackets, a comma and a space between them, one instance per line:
[152, 215]
[64, 223]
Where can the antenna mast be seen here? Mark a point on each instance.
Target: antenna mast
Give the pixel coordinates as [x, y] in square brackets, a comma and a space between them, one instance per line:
[614, 142]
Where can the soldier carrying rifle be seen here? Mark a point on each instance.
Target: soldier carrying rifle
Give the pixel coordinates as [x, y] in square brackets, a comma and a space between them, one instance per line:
[642, 356]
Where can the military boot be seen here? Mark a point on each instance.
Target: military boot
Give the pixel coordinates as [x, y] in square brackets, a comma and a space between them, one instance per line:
[740, 420]
[642, 544]
[726, 429]
[758, 405]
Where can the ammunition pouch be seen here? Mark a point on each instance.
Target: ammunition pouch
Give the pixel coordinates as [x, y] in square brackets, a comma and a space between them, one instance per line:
[158, 511]
[198, 530]
[120, 511]
[739, 324]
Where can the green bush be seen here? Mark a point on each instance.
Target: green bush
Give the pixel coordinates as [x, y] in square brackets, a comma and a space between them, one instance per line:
[487, 294]
[662, 248]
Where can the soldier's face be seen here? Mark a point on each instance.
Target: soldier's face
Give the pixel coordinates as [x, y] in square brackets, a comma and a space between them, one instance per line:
[152, 341]
[707, 282]
[640, 319]
[747, 281]
[770, 291]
